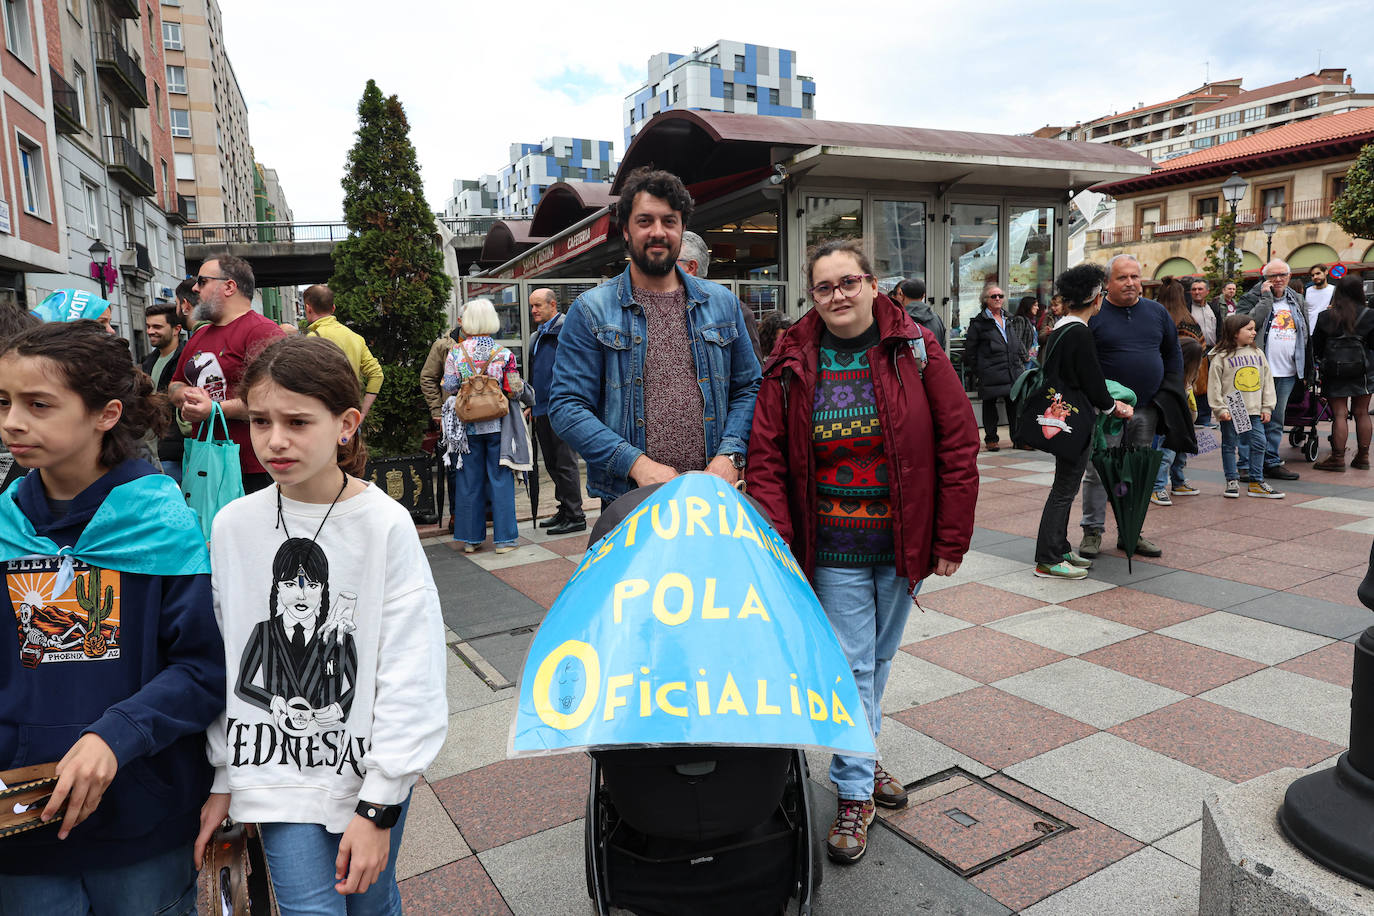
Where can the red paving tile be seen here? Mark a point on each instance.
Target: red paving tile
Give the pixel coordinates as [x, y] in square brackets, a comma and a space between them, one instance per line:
[1321, 550]
[540, 581]
[572, 547]
[1012, 488]
[459, 887]
[1222, 741]
[982, 654]
[1056, 863]
[1269, 573]
[1001, 825]
[992, 727]
[1229, 542]
[1295, 524]
[1332, 663]
[1137, 609]
[513, 799]
[1331, 587]
[1172, 663]
[979, 603]
[1007, 505]
[1026, 524]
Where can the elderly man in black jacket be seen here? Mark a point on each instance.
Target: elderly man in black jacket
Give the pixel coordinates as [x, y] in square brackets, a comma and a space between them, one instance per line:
[995, 356]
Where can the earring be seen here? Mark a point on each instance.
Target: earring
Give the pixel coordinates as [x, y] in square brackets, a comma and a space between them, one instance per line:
[343, 440]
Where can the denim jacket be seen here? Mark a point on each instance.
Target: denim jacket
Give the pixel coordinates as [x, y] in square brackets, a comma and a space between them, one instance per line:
[596, 401]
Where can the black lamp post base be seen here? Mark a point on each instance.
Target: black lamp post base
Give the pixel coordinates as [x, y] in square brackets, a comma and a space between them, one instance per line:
[1330, 817]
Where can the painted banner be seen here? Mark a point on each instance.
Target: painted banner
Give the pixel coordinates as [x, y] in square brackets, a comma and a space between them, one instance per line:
[689, 623]
[70, 305]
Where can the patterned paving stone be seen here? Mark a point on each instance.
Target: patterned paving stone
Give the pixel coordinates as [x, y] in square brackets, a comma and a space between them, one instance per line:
[1089, 693]
[1064, 630]
[982, 654]
[515, 798]
[1272, 573]
[1058, 862]
[1048, 591]
[1294, 701]
[1198, 588]
[1332, 663]
[430, 840]
[1257, 640]
[1222, 741]
[993, 727]
[924, 624]
[977, 603]
[461, 887]
[1184, 845]
[1172, 663]
[1337, 588]
[542, 874]
[572, 547]
[912, 681]
[540, 581]
[1155, 884]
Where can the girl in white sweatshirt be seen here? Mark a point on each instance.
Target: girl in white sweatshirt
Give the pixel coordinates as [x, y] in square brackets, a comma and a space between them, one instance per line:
[1239, 367]
[333, 641]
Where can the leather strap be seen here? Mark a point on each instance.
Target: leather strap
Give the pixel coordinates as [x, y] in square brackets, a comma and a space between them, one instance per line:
[31, 786]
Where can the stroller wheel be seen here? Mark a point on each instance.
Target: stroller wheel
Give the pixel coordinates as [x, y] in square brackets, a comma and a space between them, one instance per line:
[1295, 437]
[1310, 449]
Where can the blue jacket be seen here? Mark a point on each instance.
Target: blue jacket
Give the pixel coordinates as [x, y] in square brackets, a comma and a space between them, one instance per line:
[596, 404]
[543, 351]
[1136, 346]
[151, 704]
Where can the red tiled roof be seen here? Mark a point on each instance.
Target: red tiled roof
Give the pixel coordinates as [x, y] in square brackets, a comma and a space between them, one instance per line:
[1204, 96]
[1321, 137]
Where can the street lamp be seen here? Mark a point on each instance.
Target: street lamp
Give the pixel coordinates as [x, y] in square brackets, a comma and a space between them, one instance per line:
[99, 254]
[1232, 190]
[1270, 226]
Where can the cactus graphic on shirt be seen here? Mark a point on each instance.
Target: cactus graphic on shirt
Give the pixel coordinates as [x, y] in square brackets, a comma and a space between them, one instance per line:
[97, 612]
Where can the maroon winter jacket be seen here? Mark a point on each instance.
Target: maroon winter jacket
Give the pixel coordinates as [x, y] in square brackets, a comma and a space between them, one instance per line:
[934, 490]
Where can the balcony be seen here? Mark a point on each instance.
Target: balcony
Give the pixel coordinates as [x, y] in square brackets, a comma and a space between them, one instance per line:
[129, 168]
[124, 9]
[66, 104]
[179, 215]
[124, 74]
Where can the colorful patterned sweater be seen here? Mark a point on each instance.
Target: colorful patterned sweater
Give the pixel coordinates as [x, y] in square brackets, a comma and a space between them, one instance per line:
[854, 524]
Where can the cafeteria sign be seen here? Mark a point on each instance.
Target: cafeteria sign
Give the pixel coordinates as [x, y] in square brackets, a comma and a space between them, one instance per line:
[689, 623]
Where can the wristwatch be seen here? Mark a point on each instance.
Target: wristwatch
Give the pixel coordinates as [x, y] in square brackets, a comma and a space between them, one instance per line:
[737, 459]
[383, 816]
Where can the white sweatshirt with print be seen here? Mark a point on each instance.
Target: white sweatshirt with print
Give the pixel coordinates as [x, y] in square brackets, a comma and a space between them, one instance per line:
[335, 658]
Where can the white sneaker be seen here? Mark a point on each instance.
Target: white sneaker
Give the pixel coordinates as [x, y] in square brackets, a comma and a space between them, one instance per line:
[1232, 490]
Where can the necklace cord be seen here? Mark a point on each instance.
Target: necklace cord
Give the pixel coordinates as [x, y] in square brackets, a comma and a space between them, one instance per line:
[281, 517]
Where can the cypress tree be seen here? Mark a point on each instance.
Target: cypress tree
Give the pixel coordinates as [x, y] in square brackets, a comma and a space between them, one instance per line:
[389, 282]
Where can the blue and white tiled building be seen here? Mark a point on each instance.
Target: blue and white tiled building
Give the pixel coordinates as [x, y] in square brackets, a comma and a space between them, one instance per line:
[727, 76]
[517, 188]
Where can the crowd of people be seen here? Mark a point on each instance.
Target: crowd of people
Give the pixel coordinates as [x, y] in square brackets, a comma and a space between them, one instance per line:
[292, 674]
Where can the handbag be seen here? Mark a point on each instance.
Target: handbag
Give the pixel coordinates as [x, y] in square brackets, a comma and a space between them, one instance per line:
[1050, 417]
[480, 396]
[30, 788]
[211, 476]
[234, 879]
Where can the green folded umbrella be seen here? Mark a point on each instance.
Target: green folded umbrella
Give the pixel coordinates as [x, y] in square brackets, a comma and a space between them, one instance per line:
[1127, 473]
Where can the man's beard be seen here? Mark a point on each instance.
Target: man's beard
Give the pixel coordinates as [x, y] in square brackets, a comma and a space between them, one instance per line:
[206, 310]
[640, 258]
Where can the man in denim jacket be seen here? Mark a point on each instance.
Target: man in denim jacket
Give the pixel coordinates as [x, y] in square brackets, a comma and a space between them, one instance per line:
[648, 359]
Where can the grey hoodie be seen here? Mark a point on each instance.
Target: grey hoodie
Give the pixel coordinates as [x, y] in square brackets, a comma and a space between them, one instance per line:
[925, 316]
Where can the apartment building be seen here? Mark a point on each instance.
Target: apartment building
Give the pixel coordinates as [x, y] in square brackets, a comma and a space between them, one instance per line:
[114, 183]
[517, 189]
[31, 218]
[269, 202]
[209, 118]
[727, 76]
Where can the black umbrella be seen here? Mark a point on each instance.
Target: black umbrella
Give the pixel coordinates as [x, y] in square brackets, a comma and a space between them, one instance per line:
[1127, 473]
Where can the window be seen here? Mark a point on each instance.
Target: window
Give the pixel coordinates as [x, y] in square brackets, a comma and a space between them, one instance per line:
[171, 36]
[130, 233]
[181, 122]
[1311, 101]
[1206, 124]
[1228, 119]
[1271, 198]
[1254, 114]
[32, 175]
[806, 101]
[1337, 186]
[185, 164]
[773, 97]
[751, 93]
[1207, 206]
[166, 185]
[79, 84]
[1150, 215]
[739, 63]
[157, 102]
[92, 194]
[176, 79]
[18, 32]
[1203, 142]
[1227, 137]
[728, 91]
[675, 95]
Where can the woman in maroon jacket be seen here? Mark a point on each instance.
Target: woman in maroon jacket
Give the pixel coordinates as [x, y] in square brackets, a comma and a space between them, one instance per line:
[864, 455]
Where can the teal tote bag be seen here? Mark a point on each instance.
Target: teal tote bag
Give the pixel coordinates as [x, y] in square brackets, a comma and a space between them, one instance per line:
[211, 476]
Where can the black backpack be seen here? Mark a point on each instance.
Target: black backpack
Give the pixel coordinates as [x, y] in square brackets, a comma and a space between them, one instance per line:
[1345, 358]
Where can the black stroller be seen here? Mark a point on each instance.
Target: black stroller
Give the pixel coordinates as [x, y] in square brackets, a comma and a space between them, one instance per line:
[1306, 408]
[677, 831]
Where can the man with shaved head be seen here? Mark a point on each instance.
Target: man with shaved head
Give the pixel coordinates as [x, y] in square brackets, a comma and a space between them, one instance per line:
[1282, 332]
[559, 458]
[320, 322]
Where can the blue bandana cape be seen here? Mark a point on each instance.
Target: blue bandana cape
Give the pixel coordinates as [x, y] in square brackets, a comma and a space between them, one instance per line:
[71, 305]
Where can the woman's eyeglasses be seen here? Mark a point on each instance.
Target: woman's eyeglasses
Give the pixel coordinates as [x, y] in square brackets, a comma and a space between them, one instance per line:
[824, 292]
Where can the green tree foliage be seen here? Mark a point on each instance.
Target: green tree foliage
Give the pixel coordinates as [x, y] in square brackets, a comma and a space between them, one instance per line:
[389, 282]
[1214, 267]
[1353, 211]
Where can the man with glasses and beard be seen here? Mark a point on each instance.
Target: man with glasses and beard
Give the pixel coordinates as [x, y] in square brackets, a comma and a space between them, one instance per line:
[655, 373]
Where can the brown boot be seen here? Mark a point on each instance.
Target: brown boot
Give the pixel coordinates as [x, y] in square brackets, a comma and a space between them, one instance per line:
[1334, 461]
[1361, 462]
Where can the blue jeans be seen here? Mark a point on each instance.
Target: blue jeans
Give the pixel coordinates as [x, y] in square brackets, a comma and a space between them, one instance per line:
[1252, 457]
[867, 607]
[483, 477]
[164, 885]
[301, 858]
[173, 470]
[1273, 430]
[1170, 466]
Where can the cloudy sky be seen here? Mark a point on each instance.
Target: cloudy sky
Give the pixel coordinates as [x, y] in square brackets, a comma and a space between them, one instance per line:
[477, 76]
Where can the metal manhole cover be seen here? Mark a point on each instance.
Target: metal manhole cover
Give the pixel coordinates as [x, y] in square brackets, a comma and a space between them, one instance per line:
[969, 825]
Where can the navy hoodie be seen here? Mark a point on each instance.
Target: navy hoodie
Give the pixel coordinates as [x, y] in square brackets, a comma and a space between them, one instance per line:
[149, 695]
